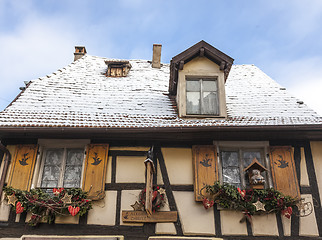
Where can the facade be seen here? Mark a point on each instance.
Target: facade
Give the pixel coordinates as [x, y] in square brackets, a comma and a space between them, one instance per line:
[115, 127]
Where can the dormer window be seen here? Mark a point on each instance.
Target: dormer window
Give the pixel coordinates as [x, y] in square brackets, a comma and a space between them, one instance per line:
[197, 79]
[202, 96]
[118, 68]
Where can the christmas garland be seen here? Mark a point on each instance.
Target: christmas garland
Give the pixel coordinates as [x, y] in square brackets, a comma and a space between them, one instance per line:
[44, 206]
[250, 201]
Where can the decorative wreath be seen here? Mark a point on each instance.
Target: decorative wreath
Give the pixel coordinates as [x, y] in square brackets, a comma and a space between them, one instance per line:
[158, 198]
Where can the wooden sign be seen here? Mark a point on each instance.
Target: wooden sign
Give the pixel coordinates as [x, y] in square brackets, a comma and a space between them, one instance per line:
[141, 217]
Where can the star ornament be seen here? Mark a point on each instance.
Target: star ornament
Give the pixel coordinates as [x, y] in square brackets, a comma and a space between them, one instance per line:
[161, 191]
[259, 206]
[66, 199]
[12, 199]
[137, 206]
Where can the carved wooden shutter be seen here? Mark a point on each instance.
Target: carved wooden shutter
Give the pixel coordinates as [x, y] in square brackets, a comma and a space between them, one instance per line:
[284, 171]
[22, 168]
[95, 170]
[205, 168]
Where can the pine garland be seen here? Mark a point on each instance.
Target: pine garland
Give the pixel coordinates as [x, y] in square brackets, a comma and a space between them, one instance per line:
[250, 201]
[44, 206]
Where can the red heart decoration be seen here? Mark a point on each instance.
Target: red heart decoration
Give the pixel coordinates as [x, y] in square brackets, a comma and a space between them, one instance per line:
[207, 204]
[19, 208]
[73, 210]
[287, 212]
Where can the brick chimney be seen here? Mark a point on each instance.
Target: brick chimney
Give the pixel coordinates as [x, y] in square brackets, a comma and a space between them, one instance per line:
[156, 59]
[80, 51]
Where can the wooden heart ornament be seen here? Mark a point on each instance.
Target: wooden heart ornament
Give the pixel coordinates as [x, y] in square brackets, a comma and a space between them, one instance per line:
[73, 210]
[207, 204]
[19, 208]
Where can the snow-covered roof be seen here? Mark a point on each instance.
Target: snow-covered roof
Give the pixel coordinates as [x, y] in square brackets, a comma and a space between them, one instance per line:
[80, 95]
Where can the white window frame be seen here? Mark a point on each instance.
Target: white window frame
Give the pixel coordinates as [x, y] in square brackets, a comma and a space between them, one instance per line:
[201, 79]
[238, 146]
[59, 143]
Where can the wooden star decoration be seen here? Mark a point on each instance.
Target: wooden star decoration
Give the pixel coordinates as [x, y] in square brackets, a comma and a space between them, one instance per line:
[161, 191]
[66, 198]
[137, 206]
[12, 199]
[259, 206]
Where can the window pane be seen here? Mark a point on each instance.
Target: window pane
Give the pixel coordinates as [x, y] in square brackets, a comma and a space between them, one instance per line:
[75, 156]
[193, 103]
[72, 176]
[231, 176]
[250, 155]
[52, 167]
[210, 103]
[193, 85]
[229, 159]
[209, 85]
[73, 169]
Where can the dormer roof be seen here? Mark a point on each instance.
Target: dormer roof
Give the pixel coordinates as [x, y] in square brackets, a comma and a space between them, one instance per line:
[201, 49]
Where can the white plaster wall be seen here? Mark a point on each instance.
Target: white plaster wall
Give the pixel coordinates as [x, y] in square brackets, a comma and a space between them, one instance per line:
[316, 148]
[230, 224]
[128, 198]
[264, 225]
[103, 211]
[195, 219]
[308, 226]
[130, 169]
[109, 170]
[4, 209]
[179, 165]
[304, 176]
[286, 225]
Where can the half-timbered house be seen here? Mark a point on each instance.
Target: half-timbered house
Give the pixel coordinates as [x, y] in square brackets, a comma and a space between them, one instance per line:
[129, 132]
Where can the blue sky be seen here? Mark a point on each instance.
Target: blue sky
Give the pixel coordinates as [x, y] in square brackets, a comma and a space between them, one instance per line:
[283, 38]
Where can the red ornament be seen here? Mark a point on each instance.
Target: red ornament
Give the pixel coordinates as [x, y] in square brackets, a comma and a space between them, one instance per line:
[207, 204]
[242, 192]
[57, 191]
[19, 208]
[287, 212]
[154, 195]
[73, 210]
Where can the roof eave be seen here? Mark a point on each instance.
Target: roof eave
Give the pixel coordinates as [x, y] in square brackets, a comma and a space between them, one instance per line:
[295, 132]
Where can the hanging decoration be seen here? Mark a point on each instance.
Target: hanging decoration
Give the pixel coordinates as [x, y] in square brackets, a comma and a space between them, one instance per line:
[44, 206]
[151, 199]
[250, 201]
[158, 198]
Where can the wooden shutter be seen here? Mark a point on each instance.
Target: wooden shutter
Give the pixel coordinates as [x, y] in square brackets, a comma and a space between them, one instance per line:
[205, 167]
[284, 171]
[95, 170]
[22, 168]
